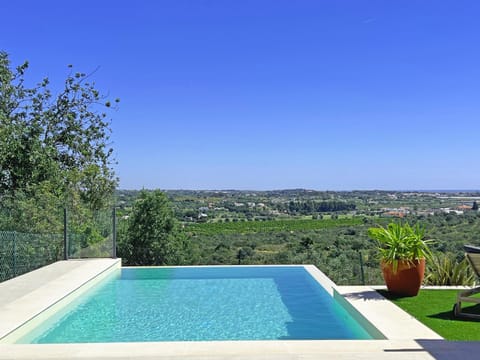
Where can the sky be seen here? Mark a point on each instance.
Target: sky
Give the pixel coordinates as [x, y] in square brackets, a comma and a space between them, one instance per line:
[271, 94]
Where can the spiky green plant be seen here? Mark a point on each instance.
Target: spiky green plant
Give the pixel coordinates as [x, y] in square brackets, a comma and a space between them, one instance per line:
[444, 269]
[400, 242]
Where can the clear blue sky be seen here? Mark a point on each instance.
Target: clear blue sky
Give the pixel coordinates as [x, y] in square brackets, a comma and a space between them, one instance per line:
[257, 94]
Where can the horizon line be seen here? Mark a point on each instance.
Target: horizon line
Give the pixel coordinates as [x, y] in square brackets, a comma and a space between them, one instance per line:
[305, 189]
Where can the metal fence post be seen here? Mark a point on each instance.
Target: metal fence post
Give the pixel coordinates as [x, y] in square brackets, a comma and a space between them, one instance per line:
[65, 239]
[14, 238]
[362, 273]
[114, 233]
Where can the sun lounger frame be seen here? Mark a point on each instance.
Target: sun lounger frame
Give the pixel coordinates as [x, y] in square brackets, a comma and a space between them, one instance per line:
[473, 256]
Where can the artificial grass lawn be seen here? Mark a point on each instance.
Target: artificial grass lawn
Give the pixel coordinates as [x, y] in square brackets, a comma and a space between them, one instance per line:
[434, 309]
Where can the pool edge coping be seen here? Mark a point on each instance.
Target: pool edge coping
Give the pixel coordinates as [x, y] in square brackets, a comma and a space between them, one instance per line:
[355, 295]
[47, 298]
[377, 314]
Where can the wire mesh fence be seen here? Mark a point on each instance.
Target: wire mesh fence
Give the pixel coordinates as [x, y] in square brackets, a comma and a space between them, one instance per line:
[90, 235]
[22, 252]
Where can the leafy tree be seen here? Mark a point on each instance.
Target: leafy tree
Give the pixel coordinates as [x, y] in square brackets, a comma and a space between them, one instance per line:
[153, 236]
[61, 140]
[241, 255]
[306, 243]
[475, 206]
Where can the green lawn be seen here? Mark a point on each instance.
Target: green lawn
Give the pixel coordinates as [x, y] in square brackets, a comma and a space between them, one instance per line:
[434, 309]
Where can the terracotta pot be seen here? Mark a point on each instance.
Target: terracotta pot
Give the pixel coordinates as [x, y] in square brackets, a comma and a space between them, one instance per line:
[408, 278]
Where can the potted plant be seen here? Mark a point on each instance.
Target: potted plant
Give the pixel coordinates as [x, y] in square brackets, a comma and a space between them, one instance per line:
[402, 252]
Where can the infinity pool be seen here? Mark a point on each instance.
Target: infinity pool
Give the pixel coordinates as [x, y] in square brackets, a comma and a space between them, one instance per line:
[201, 304]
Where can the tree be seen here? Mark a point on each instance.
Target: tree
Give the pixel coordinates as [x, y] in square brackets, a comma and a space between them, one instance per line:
[241, 255]
[475, 206]
[61, 140]
[306, 243]
[153, 236]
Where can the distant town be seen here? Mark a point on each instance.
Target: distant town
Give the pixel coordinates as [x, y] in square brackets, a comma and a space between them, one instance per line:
[236, 205]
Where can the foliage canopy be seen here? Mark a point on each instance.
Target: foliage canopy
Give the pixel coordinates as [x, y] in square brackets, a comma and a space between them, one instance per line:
[54, 147]
[62, 139]
[152, 236]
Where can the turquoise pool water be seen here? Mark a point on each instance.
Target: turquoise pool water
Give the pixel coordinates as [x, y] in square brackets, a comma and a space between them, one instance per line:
[202, 303]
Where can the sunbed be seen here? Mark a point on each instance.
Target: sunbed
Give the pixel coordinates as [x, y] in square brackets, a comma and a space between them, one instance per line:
[472, 254]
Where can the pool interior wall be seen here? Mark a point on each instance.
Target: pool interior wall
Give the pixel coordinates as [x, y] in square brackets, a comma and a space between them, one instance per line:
[290, 280]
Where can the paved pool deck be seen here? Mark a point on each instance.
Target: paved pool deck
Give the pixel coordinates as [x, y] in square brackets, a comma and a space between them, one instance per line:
[31, 295]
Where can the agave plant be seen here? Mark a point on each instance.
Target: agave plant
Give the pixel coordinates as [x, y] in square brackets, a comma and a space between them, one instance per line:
[400, 242]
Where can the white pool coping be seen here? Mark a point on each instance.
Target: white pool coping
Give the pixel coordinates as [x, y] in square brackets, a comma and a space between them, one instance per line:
[27, 296]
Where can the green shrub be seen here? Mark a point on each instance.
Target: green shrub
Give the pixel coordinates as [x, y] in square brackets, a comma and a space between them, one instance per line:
[444, 270]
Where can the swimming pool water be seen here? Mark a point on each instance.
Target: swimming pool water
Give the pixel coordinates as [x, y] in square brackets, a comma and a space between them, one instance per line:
[202, 303]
